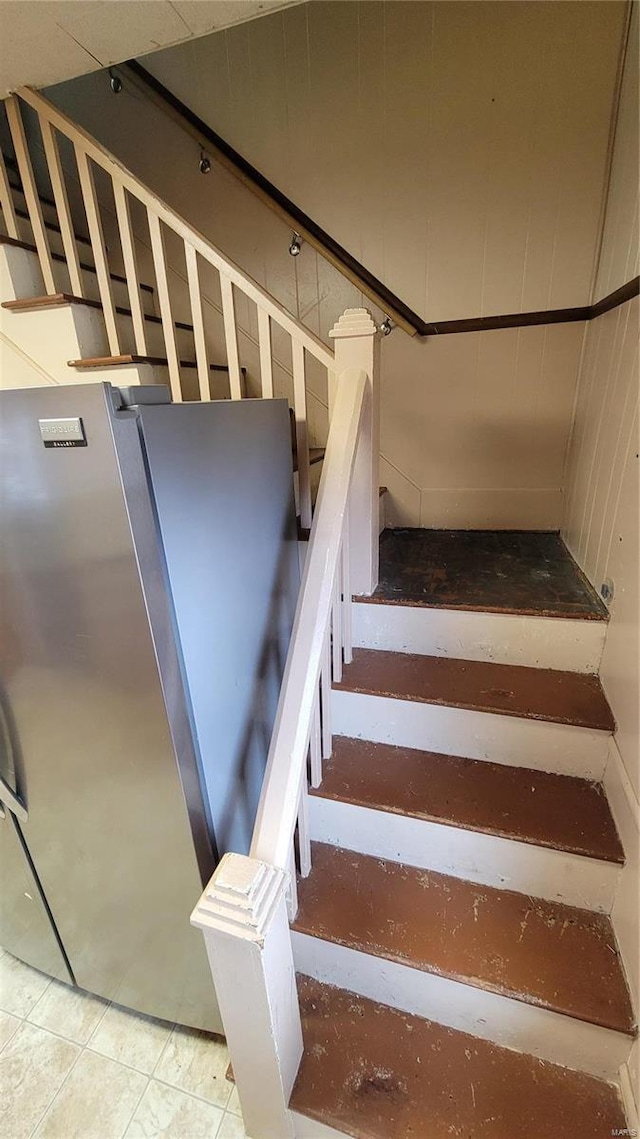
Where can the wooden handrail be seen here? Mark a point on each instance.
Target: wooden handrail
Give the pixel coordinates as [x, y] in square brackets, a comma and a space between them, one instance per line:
[276, 200]
[286, 773]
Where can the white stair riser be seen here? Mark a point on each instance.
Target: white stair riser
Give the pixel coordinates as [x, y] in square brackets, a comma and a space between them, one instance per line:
[538, 642]
[476, 857]
[491, 1016]
[538, 744]
[49, 337]
[20, 274]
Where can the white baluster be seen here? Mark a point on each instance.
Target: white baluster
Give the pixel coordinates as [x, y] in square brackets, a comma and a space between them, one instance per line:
[326, 698]
[30, 189]
[292, 889]
[304, 840]
[198, 321]
[6, 201]
[316, 745]
[266, 366]
[162, 281]
[130, 267]
[231, 337]
[336, 626]
[94, 223]
[302, 436]
[347, 644]
[63, 211]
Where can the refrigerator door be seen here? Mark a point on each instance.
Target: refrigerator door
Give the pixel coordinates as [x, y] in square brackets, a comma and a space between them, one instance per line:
[92, 683]
[26, 929]
[233, 565]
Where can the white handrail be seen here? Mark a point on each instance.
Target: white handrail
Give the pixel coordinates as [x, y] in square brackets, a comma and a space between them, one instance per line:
[114, 168]
[285, 777]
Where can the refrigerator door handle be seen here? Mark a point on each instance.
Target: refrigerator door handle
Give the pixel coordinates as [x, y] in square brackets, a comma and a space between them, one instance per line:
[12, 802]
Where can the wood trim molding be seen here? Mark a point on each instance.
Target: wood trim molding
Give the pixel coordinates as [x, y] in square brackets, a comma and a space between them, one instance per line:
[358, 274]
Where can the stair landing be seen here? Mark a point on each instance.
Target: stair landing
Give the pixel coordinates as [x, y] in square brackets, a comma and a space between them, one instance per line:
[494, 571]
[376, 1073]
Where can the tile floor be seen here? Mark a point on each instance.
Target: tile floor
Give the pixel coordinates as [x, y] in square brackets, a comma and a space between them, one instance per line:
[76, 1067]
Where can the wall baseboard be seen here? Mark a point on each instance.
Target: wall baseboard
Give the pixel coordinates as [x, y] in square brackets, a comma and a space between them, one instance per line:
[470, 508]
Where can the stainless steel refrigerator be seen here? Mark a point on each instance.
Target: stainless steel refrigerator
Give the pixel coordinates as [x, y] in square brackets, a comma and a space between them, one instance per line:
[148, 580]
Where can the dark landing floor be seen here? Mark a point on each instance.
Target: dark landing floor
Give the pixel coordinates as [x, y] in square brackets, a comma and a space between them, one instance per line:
[504, 571]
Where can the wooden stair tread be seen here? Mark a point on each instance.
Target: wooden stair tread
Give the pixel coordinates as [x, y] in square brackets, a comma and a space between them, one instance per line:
[376, 1073]
[50, 300]
[508, 943]
[557, 811]
[4, 240]
[132, 358]
[506, 689]
[25, 304]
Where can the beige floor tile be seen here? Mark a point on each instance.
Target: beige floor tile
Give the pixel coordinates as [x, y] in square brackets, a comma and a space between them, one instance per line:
[96, 1102]
[8, 1025]
[69, 1012]
[167, 1112]
[131, 1038]
[196, 1062]
[33, 1066]
[231, 1127]
[20, 986]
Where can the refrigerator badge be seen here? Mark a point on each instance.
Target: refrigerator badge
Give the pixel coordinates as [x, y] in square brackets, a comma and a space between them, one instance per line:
[62, 432]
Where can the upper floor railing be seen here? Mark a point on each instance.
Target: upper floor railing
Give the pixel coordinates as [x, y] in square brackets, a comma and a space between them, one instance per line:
[109, 206]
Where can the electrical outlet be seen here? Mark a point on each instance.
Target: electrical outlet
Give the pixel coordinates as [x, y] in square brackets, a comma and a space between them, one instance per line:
[606, 591]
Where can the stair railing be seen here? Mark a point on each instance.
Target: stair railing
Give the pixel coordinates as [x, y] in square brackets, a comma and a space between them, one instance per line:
[245, 910]
[160, 218]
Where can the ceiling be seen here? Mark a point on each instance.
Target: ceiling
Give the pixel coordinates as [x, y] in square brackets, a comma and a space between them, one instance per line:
[47, 41]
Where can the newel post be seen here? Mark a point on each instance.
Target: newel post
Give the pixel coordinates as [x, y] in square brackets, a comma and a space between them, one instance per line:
[243, 916]
[357, 345]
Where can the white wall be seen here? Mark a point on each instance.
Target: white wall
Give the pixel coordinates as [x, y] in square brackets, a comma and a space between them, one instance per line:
[457, 149]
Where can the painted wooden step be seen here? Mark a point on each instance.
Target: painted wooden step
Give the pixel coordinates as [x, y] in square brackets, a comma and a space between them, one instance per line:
[568, 643]
[549, 810]
[508, 690]
[523, 948]
[373, 1072]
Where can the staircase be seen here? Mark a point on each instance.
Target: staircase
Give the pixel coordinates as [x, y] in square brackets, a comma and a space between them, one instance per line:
[458, 970]
[420, 943]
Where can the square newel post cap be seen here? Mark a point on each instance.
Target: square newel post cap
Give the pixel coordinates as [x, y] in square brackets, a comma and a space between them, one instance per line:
[354, 322]
[241, 898]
